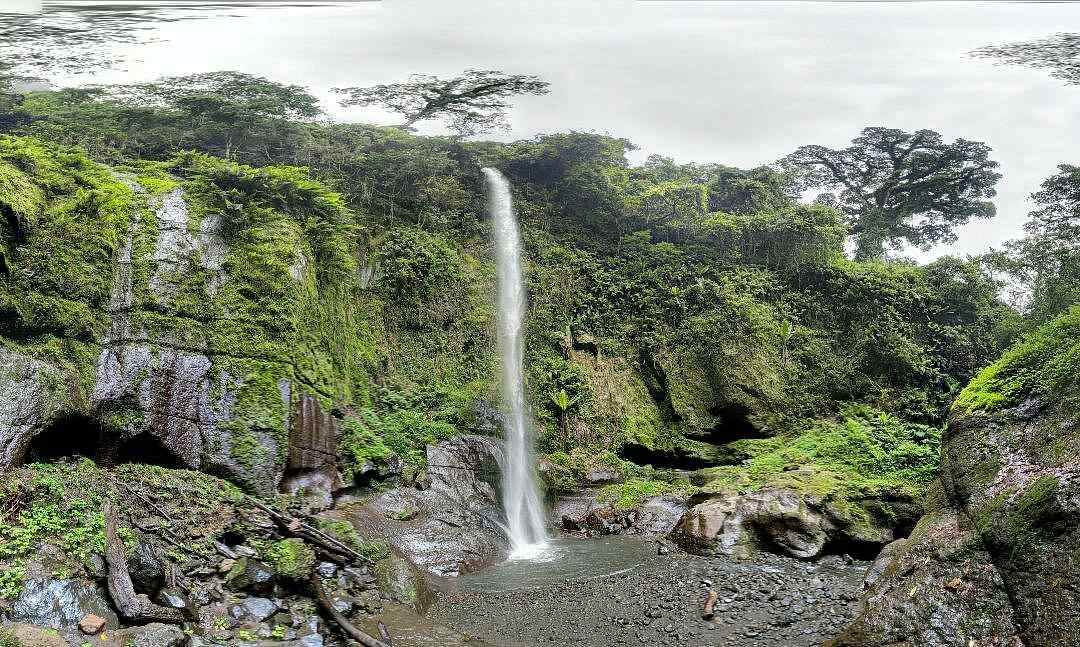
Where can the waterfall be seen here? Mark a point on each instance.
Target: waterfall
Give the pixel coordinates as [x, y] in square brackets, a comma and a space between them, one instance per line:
[521, 497]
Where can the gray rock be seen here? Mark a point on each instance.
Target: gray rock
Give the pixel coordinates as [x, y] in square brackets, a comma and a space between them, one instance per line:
[253, 609]
[151, 635]
[883, 561]
[61, 604]
[454, 524]
[737, 524]
[31, 395]
[250, 575]
[146, 568]
[175, 598]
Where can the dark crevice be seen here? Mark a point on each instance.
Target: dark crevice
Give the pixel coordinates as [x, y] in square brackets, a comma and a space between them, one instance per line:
[864, 550]
[734, 424]
[73, 435]
[146, 448]
[675, 458]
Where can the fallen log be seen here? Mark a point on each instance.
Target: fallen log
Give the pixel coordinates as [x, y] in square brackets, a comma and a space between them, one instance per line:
[297, 528]
[132, 607]
[710, 602]
[385, 633]
[349, 628]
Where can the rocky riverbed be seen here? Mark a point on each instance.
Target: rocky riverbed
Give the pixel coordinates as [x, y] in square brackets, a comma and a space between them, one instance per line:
[769, 601]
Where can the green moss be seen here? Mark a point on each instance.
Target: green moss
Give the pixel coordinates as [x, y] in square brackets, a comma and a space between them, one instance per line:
[1033, 507]
[633, 492]
[1044, 365]
[864, 456]
[359, 445]
[290, 558]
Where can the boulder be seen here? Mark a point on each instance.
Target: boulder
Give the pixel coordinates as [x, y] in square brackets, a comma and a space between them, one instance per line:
[251, 575]
[146, 568]
[151, 635]
[584, 512]
[61, 603]
[737, 524]
[454, 524]
[253, 609]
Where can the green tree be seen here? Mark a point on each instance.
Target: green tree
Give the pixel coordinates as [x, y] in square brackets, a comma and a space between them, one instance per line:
[231, 114]
[1045, 264]
[474, 102]
[896, 186]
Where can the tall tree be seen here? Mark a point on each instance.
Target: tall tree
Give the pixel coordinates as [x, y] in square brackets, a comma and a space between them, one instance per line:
[1059, 53]
[895, 186]
[1045, 264]
[232, 114]
[474, 102]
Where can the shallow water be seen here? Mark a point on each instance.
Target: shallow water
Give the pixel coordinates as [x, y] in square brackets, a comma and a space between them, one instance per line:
[566, 559]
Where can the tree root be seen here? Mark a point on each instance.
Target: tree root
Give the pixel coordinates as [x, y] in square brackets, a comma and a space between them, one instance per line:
[132, 607]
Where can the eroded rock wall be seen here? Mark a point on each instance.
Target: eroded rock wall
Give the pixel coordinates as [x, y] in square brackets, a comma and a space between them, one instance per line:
[997, 561]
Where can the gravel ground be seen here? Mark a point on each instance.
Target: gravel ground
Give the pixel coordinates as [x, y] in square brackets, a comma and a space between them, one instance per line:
[769, 602]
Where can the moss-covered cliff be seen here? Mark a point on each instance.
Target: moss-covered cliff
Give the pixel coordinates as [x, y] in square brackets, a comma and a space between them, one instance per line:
[996, 558]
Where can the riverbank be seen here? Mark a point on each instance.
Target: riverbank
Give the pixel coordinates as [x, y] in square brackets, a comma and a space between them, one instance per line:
[769, 601]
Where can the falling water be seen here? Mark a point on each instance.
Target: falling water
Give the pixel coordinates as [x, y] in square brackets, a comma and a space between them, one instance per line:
[521, 498]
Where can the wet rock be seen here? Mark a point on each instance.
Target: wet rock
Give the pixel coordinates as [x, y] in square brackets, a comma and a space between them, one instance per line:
[911, 600]
[994, 561]
[883, 560]
[250, 575]
[312, 455]
[151, 635]
[602, 476]
[61, 604]
[326, 569]
[400, 580]
[584, 512]
[31, 395]
[452, 525]
[175, 598]
[253, 609]
[146, 568]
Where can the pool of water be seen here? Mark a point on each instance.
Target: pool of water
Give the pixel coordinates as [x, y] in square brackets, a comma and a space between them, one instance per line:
[565, 559]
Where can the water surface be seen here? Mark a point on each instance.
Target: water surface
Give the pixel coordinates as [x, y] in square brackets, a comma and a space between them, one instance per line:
[566, 559]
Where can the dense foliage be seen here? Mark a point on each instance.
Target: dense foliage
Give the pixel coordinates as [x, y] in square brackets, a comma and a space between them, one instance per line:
[674, 308]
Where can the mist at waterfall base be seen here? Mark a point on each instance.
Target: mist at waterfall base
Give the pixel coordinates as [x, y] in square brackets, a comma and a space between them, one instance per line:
[525, 526]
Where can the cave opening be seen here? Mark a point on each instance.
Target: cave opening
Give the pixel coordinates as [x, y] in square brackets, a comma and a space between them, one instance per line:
[72, 435]
[734, 424]
[146, 448]
[672, 459]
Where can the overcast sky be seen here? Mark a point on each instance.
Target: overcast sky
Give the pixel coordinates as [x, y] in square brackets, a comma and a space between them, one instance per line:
[741, 83]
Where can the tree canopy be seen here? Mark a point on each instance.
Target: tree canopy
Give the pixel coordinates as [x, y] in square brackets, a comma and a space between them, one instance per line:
[474, 102]
[1059, 53]
[896, 186]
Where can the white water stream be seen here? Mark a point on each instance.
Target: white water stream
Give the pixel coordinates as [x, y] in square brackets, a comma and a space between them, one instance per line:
[521, 497]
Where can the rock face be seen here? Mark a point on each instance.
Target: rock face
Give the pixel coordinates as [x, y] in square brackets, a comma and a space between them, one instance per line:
[452, 526]
[772, 519]
[997, 561]
[31, 395]
[203, 342]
